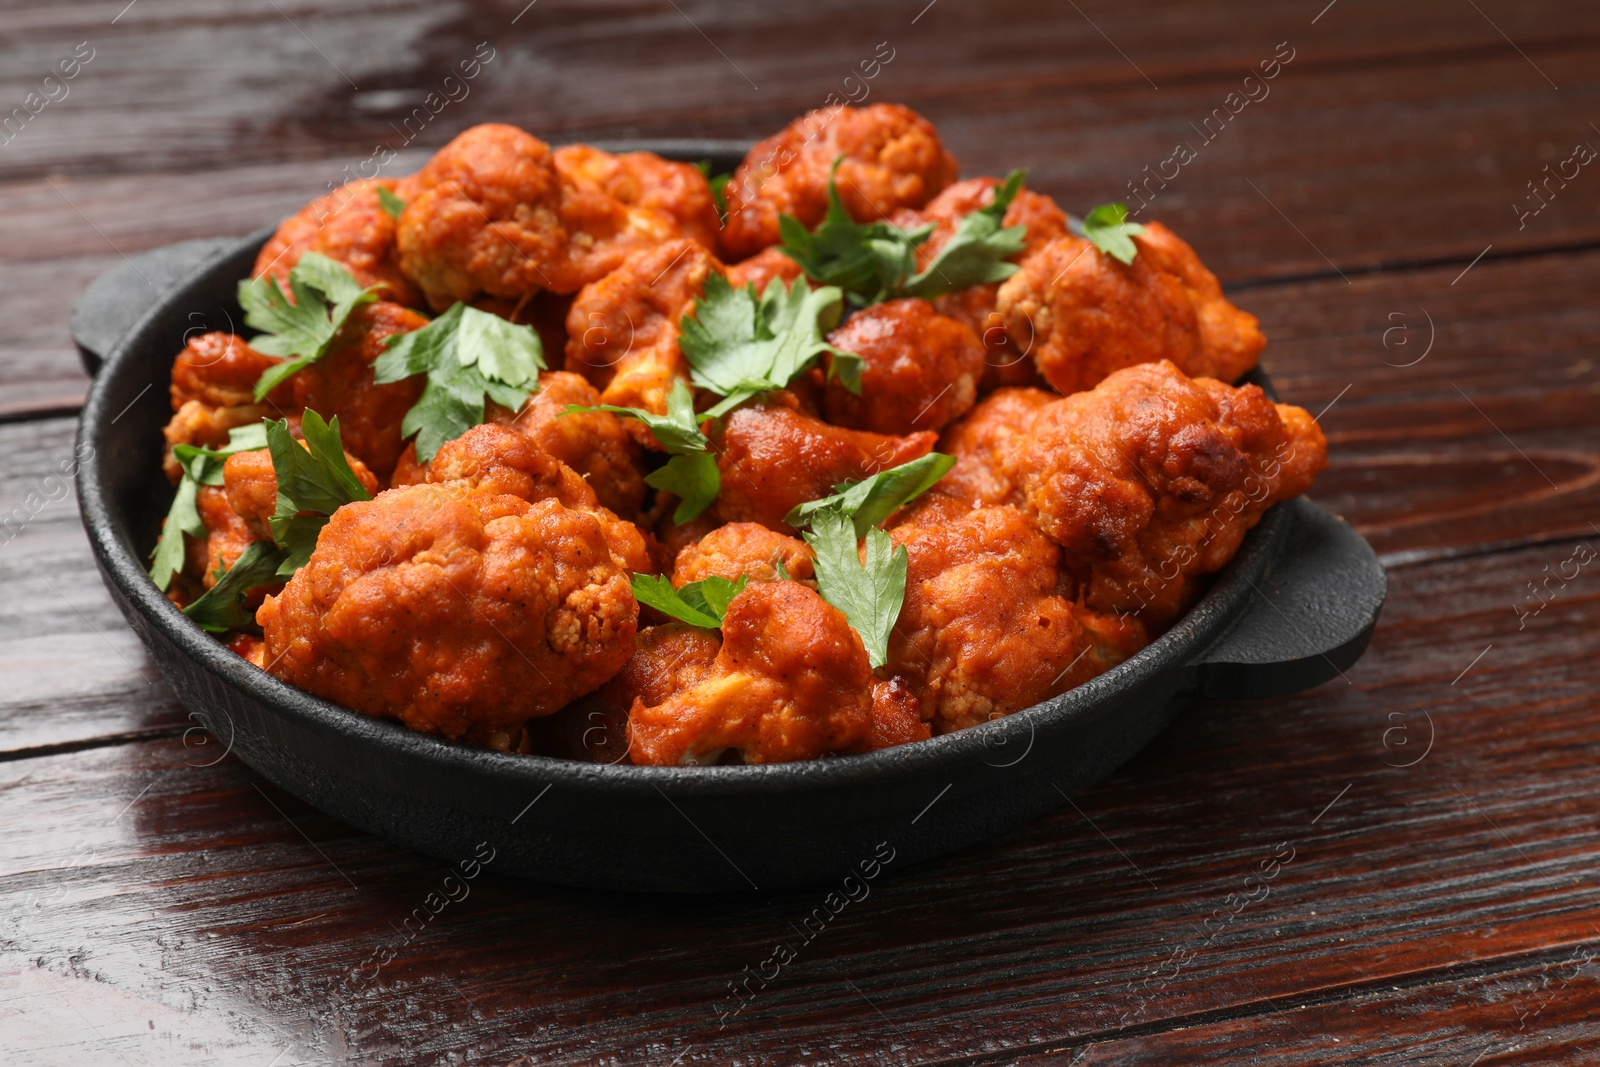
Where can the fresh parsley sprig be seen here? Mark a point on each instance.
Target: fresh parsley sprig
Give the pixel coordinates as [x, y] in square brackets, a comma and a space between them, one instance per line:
[871, 500]
[739, 343]
[877, 261]
[325, 294]
[1108, 229]
[868, 587]
[703, 603]
[691, 474]
[392, 205]
[468, 355]
[313, 483]
[201, 466]
[222, 607]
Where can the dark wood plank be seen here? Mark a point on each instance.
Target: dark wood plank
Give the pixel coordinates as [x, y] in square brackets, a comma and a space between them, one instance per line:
[187, 897]
[1446, 186]
[1540, 1014]
[73, 672]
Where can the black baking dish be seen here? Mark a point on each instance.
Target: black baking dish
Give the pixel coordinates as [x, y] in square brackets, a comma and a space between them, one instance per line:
[1294, 608]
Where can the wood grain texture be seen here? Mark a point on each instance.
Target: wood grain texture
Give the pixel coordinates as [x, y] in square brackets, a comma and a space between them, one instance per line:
[160, 904]
[208, 904]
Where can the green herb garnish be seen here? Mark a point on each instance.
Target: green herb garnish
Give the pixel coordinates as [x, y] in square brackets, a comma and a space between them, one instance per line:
[691, 474]
[468, 355]
[870, 590]
[222, 607]
[313, 483]
[876, 261]
[324, 295]
[392, 205]
[201, 466]
[702, 603]
[871, 500]
[739, 344]
[1107, 226]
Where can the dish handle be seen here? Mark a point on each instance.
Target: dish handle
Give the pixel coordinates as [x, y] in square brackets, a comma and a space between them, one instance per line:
[1309, 618]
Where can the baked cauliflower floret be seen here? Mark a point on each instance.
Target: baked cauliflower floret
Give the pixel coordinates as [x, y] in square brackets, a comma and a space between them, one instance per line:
[771, 458]
[596, 444]
[1005, 362]
[349, 226]
[667, 660]
[342, 384]
[1151, 479]
[985, 629]
[453, 609]
[1086, 315]
[790, 682]
[660, 200]
[213, 383]
[761, 268]
[497, 213]
[920, 369]
[981, 442]
[892, 159]
[744, 549]
[622, 331]
[498, 459]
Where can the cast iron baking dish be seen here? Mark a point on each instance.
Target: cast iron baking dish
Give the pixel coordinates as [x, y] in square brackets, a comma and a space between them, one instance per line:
[1294, 609]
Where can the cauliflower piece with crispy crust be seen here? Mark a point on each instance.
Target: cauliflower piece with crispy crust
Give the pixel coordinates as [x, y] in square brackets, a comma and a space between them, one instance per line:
[892, 159]
[744, 549]
[771, 457]
[622, 331]
[920, 369]
[987, 629]
[981, 442]
[1086, 315]
[453, 609]
[496, 212]
[790, 682]
[350, 227]
[213, 383]
[1150, 480]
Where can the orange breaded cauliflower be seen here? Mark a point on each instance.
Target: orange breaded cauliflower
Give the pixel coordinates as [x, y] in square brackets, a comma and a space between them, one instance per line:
[771, 458]
[1086, 315]
[453, 609]
[495, 212]
[920, 369]
[501, 460]
[1150, 480]
[349, 226]
[744, 549]
[1005, 362]
[622, 331]
[986, 630]
[213, 382]
[981, 443]
[790, 682]
[892, 159]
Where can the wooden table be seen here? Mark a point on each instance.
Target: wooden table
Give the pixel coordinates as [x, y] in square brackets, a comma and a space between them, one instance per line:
[1435, 814]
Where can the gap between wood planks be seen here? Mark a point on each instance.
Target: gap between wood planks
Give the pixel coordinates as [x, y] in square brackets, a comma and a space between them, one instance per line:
[1426, 978]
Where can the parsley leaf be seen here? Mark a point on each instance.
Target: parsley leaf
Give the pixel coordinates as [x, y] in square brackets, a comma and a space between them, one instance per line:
[739, 343]
[222, 607]
[977, 252]
[201, 466]
[392, 205]
[694, 480]
[324, 295]
[1107, 226]
[702, 603]
[313, 483]
[869, 591]
[877, 261]
[467, 355]
[873, 499]
[691, 474]
[866, 260]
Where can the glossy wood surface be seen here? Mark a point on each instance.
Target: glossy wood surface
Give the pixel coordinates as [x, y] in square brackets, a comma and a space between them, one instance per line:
[1431, 823]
